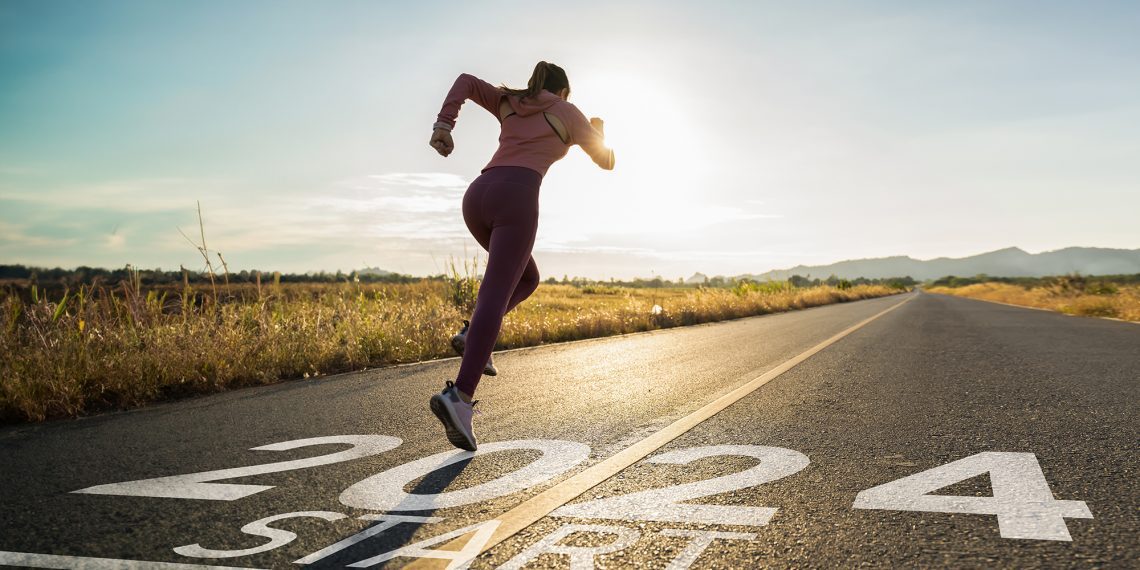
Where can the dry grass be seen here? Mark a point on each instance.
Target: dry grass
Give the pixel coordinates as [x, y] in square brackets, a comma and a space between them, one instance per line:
[1101, 300]
[98, 348]
[561, 312]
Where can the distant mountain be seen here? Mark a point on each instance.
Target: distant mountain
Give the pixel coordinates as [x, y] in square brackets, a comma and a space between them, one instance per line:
[697, 277]
[1008, 262]
[374, 271]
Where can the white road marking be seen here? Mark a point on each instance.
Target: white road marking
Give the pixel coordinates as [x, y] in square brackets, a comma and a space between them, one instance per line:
[667, 504]
[458, 558]
[32, 560]
[701, 541]
[581, 557]
[1055, 312]
[384, 491]
[386, 522]
[278, 537]
[1022, 500]
[199, 486]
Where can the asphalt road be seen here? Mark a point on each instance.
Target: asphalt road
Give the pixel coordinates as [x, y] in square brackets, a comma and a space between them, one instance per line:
[872, 451]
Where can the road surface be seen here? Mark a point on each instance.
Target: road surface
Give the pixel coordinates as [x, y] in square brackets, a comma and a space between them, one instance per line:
[916, 430]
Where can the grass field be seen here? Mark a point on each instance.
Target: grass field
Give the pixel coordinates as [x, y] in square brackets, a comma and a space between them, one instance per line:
[1072, 295]
[100, 348]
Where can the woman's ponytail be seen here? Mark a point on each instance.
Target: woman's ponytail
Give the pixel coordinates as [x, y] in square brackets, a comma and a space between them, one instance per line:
[545, 76]
[537, 79]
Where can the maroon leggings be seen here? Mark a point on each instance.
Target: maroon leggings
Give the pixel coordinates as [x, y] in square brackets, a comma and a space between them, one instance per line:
[501, 210]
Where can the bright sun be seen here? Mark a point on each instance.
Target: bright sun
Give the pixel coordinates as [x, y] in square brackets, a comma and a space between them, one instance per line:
[660, 150]
[647, 124]
[642, 118]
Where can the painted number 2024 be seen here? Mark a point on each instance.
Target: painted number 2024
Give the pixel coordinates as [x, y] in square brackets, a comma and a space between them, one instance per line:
[1022, 501]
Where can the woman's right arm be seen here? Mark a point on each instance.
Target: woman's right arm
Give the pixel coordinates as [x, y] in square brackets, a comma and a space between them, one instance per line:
[592, 140]
[466, 87]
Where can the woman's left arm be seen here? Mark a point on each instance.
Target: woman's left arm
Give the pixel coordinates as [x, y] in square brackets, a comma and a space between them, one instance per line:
[589, 134]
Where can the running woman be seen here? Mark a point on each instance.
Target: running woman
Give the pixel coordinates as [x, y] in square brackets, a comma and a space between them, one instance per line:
[538, 127]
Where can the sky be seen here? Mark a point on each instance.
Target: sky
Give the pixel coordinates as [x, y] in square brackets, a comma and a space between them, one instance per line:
[748, 135]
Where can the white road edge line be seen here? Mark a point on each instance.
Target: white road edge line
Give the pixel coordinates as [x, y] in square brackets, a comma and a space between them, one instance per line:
[32, 560]
[534, 509]
[1055, 312]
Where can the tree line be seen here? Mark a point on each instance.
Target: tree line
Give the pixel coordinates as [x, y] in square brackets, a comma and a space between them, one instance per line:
[157, 276]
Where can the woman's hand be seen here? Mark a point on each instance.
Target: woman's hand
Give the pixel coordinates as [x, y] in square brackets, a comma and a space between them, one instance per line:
[598, 124]
[441, 141]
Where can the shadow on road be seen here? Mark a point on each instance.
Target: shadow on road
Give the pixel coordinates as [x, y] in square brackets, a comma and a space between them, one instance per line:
[400, 535]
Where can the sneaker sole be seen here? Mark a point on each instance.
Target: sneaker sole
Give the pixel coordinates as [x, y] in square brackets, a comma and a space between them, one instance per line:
[450, 423]
[457, 344]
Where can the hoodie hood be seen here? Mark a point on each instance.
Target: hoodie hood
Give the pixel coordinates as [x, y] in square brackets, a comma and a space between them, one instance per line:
[533, 105]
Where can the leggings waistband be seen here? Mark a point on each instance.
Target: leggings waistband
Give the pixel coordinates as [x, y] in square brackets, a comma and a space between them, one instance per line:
[510, 175]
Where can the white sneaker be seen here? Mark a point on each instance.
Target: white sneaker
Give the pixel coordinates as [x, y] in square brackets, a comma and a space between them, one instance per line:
[456, 416]
[459, 341]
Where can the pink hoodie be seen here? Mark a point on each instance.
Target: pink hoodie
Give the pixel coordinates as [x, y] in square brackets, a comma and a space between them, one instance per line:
[526, 138]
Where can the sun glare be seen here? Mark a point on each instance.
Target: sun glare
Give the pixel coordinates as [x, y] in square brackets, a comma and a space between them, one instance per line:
[660, 149]
[642, 117]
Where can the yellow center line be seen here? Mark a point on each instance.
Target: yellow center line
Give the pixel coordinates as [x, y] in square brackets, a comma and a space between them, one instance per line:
[534, 509]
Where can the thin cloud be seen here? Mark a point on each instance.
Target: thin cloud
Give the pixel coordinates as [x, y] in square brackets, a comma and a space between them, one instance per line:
[131, 195]
[418, 210]
[18, 170]
[420, 179]
[15, 238]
